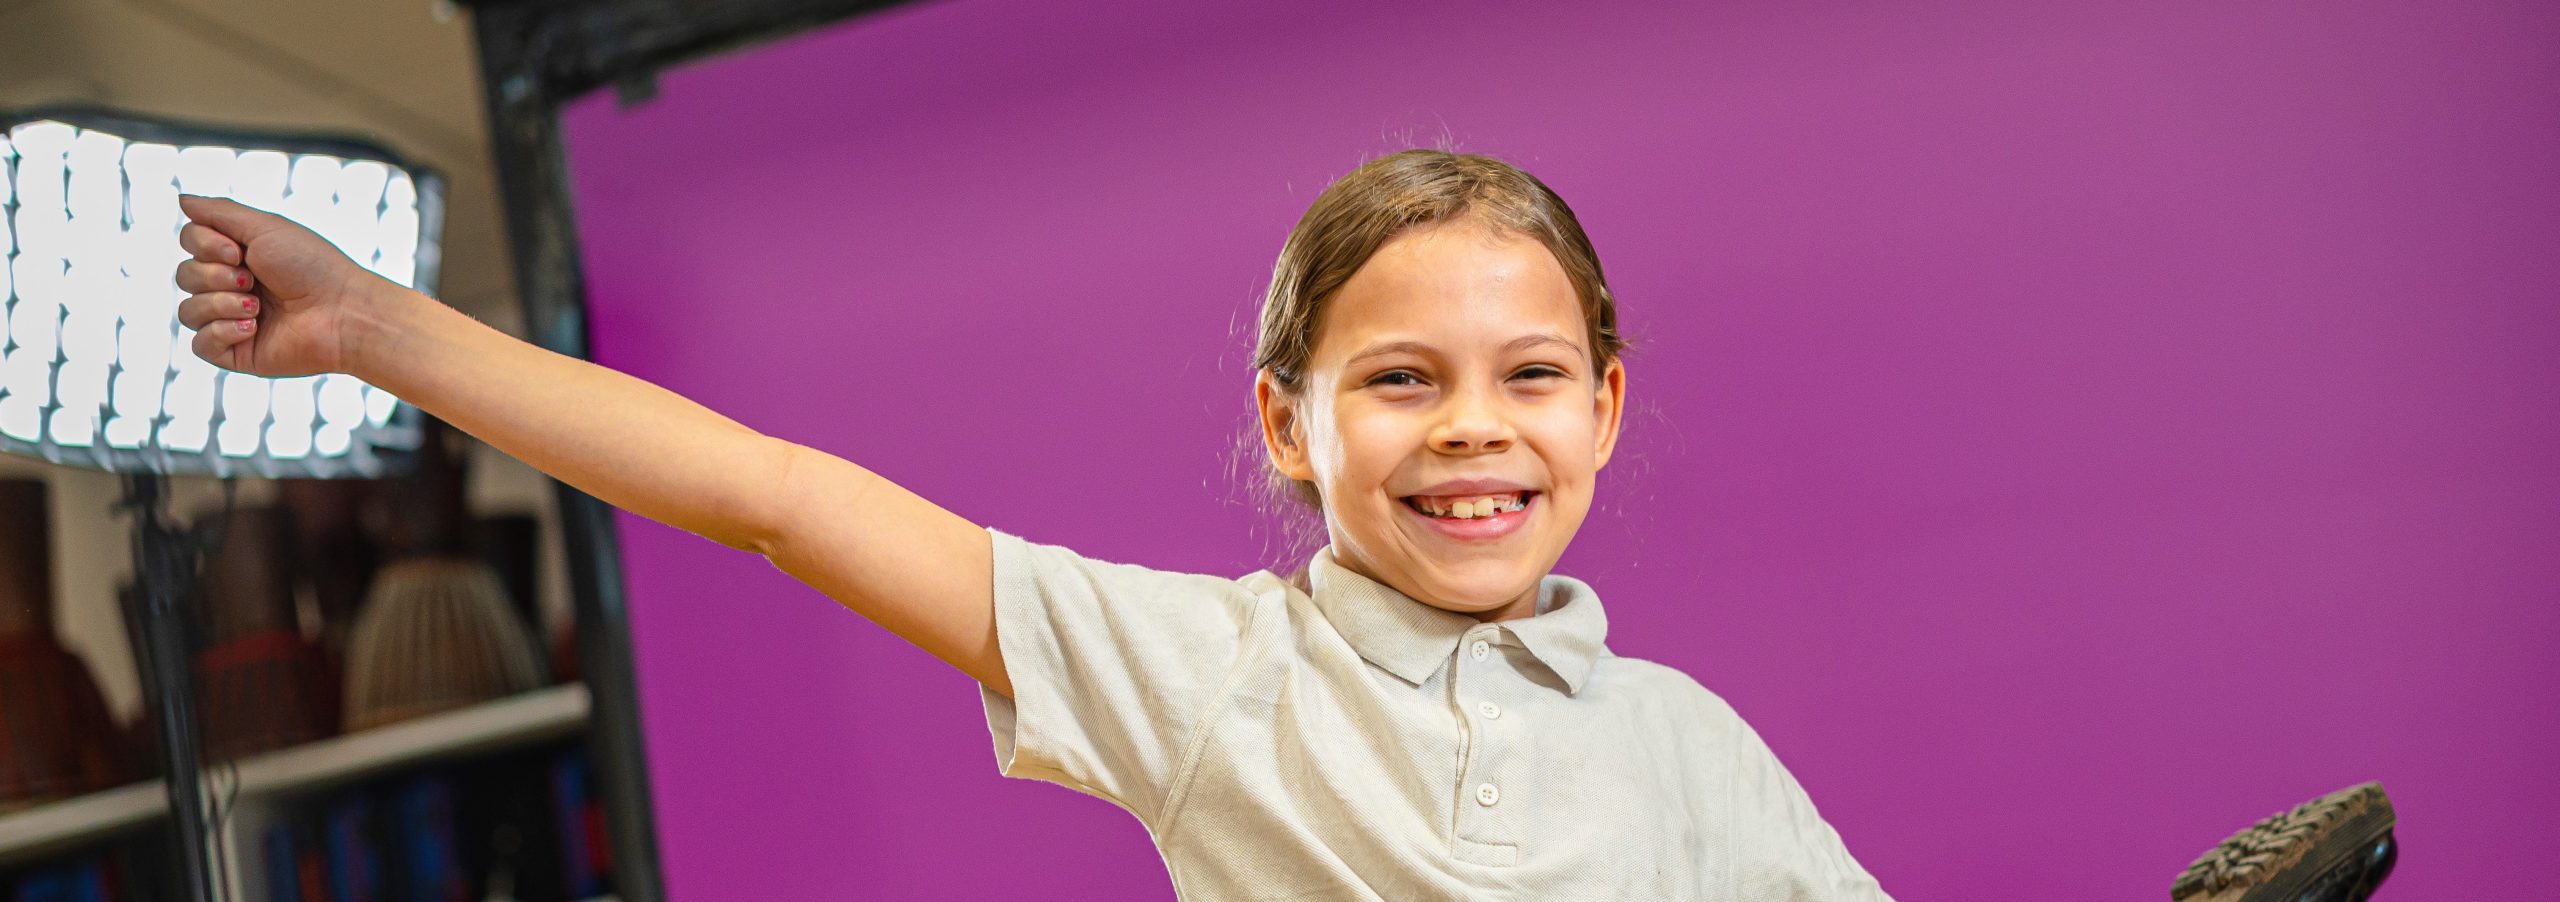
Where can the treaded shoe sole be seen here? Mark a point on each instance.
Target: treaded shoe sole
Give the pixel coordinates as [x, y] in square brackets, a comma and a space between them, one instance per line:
[2335, 848]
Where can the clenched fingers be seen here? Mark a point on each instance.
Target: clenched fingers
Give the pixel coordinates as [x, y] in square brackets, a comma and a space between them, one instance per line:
[216, 306]
[197, 276]
[203, 243]
[218, 343]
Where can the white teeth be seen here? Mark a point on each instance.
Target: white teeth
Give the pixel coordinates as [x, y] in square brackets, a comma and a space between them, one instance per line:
[1473, 508]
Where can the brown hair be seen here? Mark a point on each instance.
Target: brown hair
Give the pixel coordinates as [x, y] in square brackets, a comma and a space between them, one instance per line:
[1362, 211]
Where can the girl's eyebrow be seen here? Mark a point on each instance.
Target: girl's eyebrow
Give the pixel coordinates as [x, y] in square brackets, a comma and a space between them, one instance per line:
[1516, 345]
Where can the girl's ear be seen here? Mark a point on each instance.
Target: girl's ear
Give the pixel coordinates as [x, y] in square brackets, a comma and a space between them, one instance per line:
[1608, 404]
[1282, 433]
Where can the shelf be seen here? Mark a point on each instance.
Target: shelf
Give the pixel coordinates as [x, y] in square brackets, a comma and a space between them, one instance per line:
[520, 719]
[46, 828]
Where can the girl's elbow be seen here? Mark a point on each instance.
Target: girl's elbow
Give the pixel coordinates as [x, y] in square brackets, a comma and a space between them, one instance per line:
[767, 516]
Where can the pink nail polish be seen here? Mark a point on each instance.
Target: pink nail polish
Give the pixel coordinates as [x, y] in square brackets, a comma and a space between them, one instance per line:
[248, 325]
[249, 306]
[244, 280]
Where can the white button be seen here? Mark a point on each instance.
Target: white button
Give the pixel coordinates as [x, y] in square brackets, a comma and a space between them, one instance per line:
[1486, 795]
[1489, 710]
[1480, 649]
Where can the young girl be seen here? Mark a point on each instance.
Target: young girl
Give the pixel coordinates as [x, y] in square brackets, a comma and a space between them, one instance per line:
[1428, 713]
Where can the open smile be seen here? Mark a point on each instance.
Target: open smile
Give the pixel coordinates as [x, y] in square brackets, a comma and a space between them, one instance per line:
[1472, 517]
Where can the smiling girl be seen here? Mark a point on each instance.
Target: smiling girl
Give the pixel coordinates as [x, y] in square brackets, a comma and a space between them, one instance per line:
[1428, 713]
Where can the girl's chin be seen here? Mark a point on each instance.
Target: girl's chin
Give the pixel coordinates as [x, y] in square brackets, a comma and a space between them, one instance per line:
[1465, 578]
[1479, 596]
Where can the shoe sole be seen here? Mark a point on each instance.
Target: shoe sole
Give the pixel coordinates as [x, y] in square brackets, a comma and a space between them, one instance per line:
[2340, 841]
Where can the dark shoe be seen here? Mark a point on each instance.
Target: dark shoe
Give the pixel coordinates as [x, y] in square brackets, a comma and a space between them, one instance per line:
[2335, 848]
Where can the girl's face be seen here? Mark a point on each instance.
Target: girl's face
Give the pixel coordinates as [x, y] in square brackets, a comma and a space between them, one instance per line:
[1452, 368]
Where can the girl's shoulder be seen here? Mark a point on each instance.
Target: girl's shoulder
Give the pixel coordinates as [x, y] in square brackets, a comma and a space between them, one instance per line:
[1657, 685]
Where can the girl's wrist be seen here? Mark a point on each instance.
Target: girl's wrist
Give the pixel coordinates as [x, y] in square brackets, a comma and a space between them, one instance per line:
[368, 328]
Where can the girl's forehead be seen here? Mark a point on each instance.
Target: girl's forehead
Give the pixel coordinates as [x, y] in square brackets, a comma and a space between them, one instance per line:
[1457, 256]
[1454, 286]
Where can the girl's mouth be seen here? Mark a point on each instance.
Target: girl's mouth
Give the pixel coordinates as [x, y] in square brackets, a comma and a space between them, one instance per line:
[1472, 517]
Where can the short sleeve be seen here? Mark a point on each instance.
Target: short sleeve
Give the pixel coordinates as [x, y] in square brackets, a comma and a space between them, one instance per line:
[1820, 866]
[1113, 668]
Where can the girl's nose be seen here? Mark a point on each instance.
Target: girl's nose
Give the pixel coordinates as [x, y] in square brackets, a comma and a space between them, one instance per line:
[1472, 425]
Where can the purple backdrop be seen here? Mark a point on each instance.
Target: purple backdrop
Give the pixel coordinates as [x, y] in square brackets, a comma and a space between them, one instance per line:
[2068, 435]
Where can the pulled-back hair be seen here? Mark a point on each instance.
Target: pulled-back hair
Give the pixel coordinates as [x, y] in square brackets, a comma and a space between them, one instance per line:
[1362, 211]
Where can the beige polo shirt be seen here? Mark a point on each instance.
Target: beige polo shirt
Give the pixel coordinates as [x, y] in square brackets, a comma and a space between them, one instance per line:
[1352, 743]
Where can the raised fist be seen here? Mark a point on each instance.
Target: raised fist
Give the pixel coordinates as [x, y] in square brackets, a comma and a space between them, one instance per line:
[266, 296]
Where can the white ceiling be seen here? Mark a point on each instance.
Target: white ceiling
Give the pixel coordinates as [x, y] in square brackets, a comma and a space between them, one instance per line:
[402, 73]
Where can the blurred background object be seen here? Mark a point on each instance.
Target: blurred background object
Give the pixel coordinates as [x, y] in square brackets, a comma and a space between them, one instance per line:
[2339, 847]
[436, 630]
[56, 739]
[265, 685]
[331, 552]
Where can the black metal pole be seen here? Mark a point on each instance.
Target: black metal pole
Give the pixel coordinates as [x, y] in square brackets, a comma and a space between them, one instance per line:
[525, 144]
[164, 570]
[533, 58]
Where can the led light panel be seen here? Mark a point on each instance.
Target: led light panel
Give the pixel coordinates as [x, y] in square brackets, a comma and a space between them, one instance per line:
[95, 370]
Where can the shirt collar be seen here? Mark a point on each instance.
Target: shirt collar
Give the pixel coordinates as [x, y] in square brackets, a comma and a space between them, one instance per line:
[1413, 640]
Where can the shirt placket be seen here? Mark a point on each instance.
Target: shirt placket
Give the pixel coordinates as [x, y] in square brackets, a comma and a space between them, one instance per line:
[1485, 802]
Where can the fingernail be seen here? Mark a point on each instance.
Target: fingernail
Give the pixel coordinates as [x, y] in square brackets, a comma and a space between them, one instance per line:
[244, 280]
[248, 325]
[250, 306]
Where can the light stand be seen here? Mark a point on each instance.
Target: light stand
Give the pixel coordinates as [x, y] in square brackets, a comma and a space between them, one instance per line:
[164, 564]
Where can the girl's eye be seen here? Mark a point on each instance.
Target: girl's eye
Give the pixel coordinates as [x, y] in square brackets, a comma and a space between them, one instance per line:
[1540, 372]
[1391, 377]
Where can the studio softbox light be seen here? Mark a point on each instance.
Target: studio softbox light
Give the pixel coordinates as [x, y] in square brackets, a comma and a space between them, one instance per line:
[95, 370]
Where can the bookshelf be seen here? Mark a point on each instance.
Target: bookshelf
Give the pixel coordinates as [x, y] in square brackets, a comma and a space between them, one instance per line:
[524, 719]
[45, 829]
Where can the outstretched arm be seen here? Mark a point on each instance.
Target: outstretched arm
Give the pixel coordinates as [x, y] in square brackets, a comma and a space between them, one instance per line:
[271, 298]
